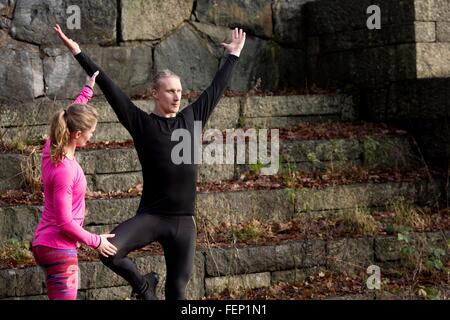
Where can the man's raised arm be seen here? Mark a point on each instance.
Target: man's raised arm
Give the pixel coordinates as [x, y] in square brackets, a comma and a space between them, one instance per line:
[207, 101]
[125, 109]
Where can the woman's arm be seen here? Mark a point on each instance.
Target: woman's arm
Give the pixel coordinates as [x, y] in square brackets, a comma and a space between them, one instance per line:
[88, 90]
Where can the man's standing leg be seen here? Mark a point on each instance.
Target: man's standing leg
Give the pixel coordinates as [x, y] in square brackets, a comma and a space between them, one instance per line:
[179, 252]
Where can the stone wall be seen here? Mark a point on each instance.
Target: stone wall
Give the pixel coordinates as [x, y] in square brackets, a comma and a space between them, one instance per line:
[401, 71]
[236, 268]
[130, 39]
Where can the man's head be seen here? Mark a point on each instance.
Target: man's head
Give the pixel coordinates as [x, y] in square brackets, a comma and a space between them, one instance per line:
[166, 91]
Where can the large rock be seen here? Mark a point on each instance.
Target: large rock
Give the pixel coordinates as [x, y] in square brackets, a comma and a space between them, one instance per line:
[10, 175]
[189, 56]
[18, 222]
[152, 19]
[253, 16]
[351, 255]
[433, 60]
[267, 63]
[21, 73]
[413, 32]
[237, 282]
[217, 34]
[129, 67]
[288, 21]
[432, 10]
[33, 21]
[332, 16]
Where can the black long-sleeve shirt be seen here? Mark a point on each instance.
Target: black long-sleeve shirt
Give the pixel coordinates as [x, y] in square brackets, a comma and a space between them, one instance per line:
[168, 188]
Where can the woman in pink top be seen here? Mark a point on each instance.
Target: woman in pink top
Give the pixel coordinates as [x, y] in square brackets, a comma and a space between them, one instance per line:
[60, 227]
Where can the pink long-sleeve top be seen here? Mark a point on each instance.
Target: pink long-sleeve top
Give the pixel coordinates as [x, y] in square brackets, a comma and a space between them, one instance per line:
[61, 223]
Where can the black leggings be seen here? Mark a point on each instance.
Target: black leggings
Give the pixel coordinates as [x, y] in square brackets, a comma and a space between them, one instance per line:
[176, 234]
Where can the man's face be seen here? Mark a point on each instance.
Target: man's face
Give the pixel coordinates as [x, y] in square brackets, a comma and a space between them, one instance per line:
[168, 95]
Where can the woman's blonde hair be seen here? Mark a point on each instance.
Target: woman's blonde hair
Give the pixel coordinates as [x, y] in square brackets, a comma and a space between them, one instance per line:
[77, 117]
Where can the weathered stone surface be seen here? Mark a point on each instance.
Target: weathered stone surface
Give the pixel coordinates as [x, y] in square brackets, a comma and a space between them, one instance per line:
[288, 21]
[388, 152]
[392, 34]
[231, 261]
[316, 151]
[150, 20]
[112, 211]
[8, 283]
[18, 222]
[238, 207]
[296, 275]
[217, 34]
[254, 16]
[40, 111]
[129, 67]
[308, 253]
[10, 174]
[109, 161]
[21, 72]
[388, 248]
[286, 122]
[432, 10]
[225, 114]
[360, 195]
[113, 293]
[188, 55]
[34, 20]
[433, 60]
[256, 106]
[443, 31]
[333, 17]
[246, 281]
[395, 62]
[210, 173]
[30, 281]
[350, 255]
[265, 60]
[245, 260]
[117, 182]
[95, 275]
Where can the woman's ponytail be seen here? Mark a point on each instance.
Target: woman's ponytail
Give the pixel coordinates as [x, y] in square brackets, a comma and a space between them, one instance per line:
[59, 136]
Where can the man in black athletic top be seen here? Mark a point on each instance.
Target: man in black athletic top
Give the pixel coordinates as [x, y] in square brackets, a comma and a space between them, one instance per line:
[166, 209]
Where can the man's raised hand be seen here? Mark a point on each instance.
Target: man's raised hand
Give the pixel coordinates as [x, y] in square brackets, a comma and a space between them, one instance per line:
[69, 43]
[237, 42]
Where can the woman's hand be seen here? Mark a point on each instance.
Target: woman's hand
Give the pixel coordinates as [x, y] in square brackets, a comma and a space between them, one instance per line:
[91, 80]
[237, 42]
[106, 248]
[69, 43]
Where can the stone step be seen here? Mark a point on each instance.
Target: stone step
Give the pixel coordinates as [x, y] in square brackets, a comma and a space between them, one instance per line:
[30, 121]
[214, 208]
[290, 111]
[248, 267]
[118, 169]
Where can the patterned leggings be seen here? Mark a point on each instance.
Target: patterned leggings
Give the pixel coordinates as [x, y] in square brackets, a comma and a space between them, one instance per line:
[61, 271]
